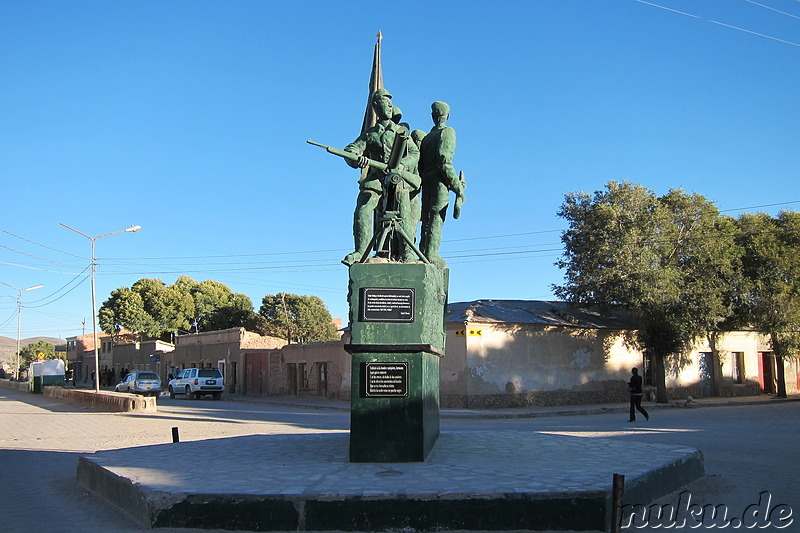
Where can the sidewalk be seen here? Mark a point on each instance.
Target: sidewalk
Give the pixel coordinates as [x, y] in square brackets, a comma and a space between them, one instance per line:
[316, 402]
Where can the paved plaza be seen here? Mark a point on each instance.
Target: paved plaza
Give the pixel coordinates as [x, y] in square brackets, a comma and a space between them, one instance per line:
[748, 448]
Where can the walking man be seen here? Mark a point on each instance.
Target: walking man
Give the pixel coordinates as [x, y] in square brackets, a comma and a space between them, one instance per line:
[635, 388]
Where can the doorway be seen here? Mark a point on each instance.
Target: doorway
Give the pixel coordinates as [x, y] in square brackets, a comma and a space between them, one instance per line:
[766, 373]
[706, 374]
[291, 377]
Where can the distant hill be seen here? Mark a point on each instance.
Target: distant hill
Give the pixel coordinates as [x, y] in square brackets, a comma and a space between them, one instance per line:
[8, 347]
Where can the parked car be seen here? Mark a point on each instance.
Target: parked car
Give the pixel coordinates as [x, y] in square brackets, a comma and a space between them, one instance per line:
[195, 382]
[140, 382]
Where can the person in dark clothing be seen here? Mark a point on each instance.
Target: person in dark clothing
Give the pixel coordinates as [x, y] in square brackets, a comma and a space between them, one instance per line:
[635, 388]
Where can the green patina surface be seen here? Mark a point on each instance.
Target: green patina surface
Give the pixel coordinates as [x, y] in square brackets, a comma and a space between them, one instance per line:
[430, 287]
[400, 428]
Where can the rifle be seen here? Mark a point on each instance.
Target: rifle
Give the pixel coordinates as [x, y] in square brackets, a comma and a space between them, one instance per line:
[411, 178]
[460, 197]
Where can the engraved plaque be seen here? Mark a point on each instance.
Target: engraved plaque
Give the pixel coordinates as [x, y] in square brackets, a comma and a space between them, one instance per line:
[387, 305]
[386, 380]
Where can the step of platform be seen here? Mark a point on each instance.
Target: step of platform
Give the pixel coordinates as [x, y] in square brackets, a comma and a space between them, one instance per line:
[504, 480]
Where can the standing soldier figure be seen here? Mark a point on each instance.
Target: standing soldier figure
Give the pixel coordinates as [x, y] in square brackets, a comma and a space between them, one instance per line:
[438, 179]
[376, 144]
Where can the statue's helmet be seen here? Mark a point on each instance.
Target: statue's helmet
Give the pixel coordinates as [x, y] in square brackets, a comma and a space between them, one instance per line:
[397, 114]
[440, 109]
[380, 93]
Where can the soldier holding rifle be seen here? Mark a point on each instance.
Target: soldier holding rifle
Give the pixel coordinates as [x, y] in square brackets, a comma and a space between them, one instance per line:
[376, 144]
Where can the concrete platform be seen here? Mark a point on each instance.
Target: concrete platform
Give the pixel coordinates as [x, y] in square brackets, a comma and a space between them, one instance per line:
[505, 480]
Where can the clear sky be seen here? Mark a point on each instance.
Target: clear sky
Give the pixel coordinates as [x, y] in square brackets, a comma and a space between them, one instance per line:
[190, 118]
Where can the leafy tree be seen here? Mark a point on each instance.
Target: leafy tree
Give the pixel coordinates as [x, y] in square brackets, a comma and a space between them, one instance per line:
[169, 308]
[34, 351]
[298, 319]
[155, 310]
[124, 309]
[668, 260]
[771, 303]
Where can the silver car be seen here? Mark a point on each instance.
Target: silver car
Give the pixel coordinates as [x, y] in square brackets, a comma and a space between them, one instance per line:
[196, 382]
[143, 382]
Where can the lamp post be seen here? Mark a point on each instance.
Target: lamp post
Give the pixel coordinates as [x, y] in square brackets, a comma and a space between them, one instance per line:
[94, 306]
[19, 316]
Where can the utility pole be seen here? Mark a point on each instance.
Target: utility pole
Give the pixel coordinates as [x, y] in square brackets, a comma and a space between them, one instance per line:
[19, 317]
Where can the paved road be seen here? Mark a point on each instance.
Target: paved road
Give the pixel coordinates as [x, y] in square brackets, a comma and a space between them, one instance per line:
[748, 449]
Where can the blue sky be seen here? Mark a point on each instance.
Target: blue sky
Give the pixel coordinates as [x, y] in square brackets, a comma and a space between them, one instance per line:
[189, 118]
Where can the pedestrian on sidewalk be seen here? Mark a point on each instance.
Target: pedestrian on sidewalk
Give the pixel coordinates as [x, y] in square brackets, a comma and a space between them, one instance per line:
[635, 388]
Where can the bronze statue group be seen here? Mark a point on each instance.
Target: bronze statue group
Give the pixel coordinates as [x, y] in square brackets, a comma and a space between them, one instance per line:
[406, 180]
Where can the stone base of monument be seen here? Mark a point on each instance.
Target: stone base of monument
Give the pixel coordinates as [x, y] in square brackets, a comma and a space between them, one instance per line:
[397, 314]
[493, 481]
[394, 416]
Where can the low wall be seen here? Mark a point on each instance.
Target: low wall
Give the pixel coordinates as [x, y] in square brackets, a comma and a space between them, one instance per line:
[23, 386]
[570, 397]
[108, 401]
[733, 391]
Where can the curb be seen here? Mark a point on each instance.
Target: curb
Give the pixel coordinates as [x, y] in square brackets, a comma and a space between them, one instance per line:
[576, 411]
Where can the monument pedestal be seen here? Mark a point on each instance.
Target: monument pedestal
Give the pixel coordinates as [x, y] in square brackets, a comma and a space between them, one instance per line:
[397, 317]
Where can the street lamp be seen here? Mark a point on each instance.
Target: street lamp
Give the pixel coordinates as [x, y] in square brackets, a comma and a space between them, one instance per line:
[19, 315]
[94, 306]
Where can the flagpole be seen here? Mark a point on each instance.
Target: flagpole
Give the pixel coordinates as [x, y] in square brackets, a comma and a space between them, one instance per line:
[375, 83]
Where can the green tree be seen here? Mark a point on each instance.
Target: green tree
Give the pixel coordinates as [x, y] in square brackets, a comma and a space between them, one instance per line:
[124, 309]
[667, 260]
[169, 308]
[155, 310]
[298, 319]
[34, 351]
[771, 302]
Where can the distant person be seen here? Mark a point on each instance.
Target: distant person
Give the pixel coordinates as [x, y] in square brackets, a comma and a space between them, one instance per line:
[635, 388]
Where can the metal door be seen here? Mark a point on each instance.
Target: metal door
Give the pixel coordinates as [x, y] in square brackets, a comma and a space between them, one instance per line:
[706, 374]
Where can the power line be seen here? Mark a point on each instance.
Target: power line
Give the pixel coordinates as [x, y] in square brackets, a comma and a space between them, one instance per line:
[718, 22]
[762, 205]
[57, 299]
[324, 264]
[36, 268]
[42, 245]
[161, 258]
[773, 9]
[37, 257]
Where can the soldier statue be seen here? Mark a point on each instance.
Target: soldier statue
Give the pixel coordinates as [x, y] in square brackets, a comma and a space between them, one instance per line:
[376, 145]
[438, 179]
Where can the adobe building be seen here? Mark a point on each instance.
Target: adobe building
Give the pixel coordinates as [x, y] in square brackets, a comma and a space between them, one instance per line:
[80, 354]
[223, 349]
[144, 355]
[317, 369]
[506, 353]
